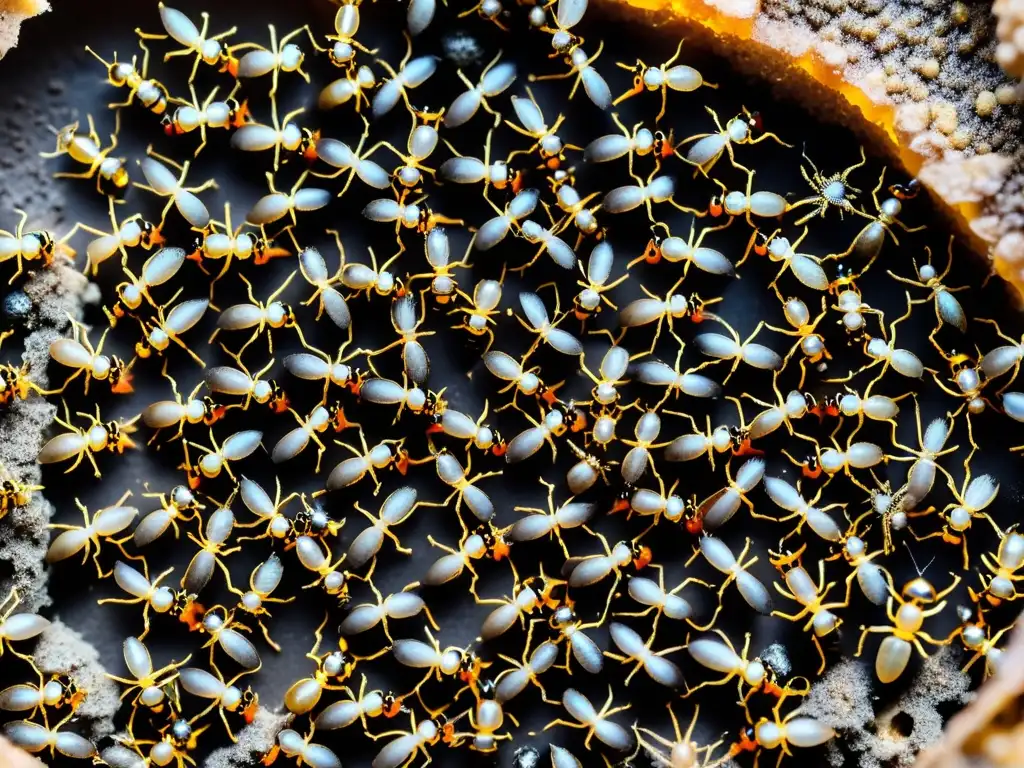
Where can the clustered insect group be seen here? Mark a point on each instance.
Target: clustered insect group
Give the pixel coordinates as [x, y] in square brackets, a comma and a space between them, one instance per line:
[173, 705]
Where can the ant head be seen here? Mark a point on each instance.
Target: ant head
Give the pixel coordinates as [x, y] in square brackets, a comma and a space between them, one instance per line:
[919, 590]
[641, 555]
[787, 560]
[151, 235]
[486, 689]
[638, 73]
[716, 207]
[65, 136]
[168, 123]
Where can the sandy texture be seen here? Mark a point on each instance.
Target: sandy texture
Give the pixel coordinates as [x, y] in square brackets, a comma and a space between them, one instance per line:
[253, 740]
[24, 537]
[12, 14]
[56, 293]
[62, 650]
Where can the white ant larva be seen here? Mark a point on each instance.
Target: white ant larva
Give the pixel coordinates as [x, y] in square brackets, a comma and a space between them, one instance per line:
[35, 738]
[311, 754]
[132, 232]
[747, 203]
[546, 141]
[581, 66]
[726, 348]
[462, 169]
[633, 650]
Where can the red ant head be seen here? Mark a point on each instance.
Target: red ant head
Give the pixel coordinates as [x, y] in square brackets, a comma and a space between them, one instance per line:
[652, 254]
[760, 243]
[338, 417]
[151, 235]
[716, 207]
[238, 113]
[641, 556]
[810, 467]
[695, 306]
[307, 147]
[120, 378]
[214, 412]
[190, 612]
[278, 403]
[251, 700]
[747, 742]
[694, 520]
[663, 144]
[402, 462]
[515, 180]
[230, 64]
[392, 705]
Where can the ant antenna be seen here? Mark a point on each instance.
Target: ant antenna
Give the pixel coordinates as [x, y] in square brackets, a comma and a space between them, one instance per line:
[920, 572]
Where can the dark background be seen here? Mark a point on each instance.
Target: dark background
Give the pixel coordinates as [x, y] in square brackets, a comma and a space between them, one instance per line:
[50, 67]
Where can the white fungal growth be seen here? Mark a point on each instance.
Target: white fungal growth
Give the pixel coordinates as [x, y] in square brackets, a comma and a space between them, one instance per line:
[254, 740]
[844, 699]
[63, 650]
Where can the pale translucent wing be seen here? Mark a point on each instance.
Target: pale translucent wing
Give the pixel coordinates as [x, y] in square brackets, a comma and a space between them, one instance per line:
[186, 315]
[130, 580]
[534, 309]
[179, 26]
[192, 209]
[256, 137]
[268, 575]
[529, 115]
[290, 446]
[403, 314]
[158, 176]
[256, 63]
[162, 266]
[199, 572]
[570, 12]
[398, 505]
[336, 308]
[239, 648]
[200, 683]
[136, 657]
